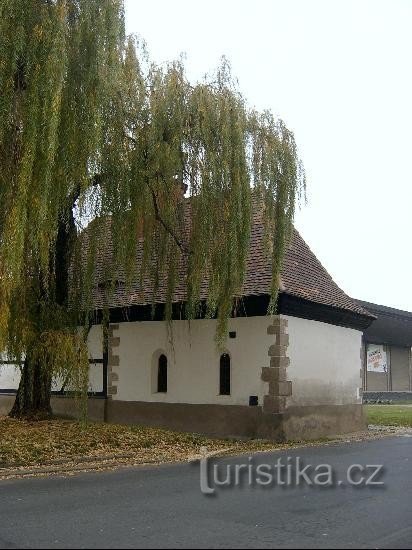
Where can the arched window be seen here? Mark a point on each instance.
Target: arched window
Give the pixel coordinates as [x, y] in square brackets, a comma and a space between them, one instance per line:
[162, 374]
[225, 374]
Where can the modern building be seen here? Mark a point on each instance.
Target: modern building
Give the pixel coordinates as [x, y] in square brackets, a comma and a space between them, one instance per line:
[387, 354]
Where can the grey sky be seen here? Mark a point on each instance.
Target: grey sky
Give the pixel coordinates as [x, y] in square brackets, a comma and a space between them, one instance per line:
[339, 73]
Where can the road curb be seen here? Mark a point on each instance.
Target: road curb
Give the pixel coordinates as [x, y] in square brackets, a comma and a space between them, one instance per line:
[77, 464]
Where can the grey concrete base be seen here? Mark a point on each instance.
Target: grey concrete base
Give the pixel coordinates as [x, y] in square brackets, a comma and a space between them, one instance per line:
[62, 406]
[214, 420]
[316, 422]
[297, 423]
[387, 396]
[6, 403]
[66, 408]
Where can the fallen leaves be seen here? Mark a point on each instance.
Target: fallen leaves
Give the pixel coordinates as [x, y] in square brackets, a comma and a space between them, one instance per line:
[25, 443]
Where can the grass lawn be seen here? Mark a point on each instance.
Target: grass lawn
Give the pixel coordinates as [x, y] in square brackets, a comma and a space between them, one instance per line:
[389, 415]
[34, 443]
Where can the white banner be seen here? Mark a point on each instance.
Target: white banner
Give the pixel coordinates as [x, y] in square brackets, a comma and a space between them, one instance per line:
[376, 359]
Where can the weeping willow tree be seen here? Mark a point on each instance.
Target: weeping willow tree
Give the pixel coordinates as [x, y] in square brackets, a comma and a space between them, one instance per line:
[58, 60]
[91, 130]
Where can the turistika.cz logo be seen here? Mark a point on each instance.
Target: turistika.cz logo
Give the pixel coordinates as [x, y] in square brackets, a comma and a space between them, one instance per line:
[285, 472]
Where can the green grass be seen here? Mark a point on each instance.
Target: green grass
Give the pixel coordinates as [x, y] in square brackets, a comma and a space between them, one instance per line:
[389, 415]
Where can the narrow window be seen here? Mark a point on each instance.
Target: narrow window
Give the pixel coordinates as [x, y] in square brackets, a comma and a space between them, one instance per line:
[162, 374]
[225, 374]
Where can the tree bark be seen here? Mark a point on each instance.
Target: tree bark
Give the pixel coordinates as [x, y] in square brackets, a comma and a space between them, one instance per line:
[34, 393]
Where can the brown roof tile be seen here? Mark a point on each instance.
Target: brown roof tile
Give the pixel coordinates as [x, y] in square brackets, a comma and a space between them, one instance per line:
[303, 276]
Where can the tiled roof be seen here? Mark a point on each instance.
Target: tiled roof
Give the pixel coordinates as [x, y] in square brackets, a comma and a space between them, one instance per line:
[303, 276]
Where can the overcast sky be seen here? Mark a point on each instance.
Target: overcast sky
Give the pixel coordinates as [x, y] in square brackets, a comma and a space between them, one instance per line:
[339, 73]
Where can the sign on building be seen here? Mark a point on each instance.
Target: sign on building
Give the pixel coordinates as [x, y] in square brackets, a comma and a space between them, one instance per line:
[376, 358]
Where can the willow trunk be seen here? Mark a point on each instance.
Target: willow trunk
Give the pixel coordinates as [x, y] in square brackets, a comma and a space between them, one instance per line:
[33, 399]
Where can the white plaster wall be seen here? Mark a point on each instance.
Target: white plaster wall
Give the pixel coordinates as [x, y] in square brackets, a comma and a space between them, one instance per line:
[10, 374]
[325, 363]
[9, 377]
[95, 342]
[95, 347]
[193, 361]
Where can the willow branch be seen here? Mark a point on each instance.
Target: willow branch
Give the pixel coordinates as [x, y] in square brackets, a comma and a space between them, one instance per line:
[165, 225]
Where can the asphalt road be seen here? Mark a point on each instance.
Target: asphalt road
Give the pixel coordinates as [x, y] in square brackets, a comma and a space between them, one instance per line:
[162, 507]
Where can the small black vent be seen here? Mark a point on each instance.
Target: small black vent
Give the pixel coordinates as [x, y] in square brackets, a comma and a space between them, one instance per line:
[232, 334]
[253, 401]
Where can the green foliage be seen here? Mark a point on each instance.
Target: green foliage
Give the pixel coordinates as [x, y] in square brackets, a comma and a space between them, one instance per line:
[90, 127]
[205, 140]
[56, 58]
